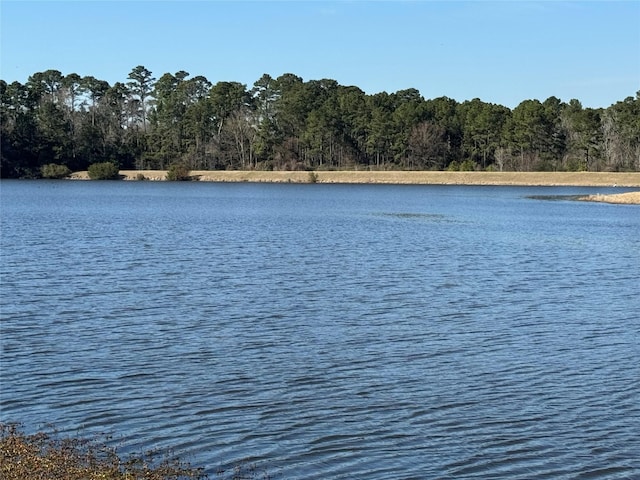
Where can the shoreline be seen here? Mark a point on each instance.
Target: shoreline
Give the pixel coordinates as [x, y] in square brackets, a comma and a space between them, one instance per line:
[629, 198]
[533, 179]
[524, 179]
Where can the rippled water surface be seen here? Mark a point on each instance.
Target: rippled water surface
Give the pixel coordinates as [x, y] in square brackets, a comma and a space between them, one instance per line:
[328, 331]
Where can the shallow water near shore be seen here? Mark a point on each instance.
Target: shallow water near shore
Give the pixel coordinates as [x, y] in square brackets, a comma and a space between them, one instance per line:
[328, 331]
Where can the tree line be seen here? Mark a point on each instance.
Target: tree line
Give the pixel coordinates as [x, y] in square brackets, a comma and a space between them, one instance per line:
[286, 123]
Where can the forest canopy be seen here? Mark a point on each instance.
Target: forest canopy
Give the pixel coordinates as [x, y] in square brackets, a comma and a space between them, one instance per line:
[286, 123]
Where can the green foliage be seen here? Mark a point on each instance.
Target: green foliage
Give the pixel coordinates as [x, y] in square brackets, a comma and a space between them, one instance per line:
[575, 164]
[103, 171]
[467, 166]
[288, 123]
[178, 172]
[53, 170]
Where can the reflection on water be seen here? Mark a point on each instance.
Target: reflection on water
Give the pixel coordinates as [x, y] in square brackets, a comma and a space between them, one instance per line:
[328, 331]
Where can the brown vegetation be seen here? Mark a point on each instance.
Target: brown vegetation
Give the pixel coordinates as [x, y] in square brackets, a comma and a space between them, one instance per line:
[46, 457]
[629, 198]
[596, 179]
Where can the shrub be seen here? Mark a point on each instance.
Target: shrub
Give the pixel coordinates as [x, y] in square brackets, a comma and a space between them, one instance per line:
[313, 177]
[140, 177]
[454, 166]
[467, 166]
[178, 172]
[53, 170]
[103, 171]
[575, 164]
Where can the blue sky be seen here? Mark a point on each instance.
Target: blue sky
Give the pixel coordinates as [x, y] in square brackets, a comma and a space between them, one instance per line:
[501, 52]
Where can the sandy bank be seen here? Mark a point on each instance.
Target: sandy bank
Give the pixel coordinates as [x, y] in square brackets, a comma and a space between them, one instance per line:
[631, 198]
[585, 179]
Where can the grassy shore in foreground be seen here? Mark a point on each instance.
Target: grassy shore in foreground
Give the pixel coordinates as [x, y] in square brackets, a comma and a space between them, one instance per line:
[47, 455]
[44, 456]
[585, 179]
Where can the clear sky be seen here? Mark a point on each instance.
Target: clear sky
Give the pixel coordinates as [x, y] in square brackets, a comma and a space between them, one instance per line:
[501, 52]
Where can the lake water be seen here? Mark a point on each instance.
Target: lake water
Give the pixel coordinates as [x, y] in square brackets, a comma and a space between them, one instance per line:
[328, 331]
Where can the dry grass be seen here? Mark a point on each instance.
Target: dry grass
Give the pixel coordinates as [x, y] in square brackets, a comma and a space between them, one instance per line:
[594, 179]
[629, 198]
[45, 457]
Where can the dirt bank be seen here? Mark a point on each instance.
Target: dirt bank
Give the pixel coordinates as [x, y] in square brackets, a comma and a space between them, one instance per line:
[585, 179]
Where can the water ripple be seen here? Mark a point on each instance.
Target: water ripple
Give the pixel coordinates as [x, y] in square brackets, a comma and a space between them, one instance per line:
[460, 333]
